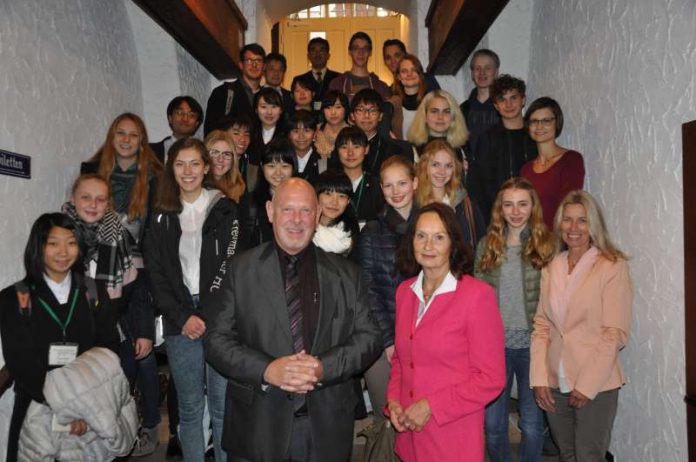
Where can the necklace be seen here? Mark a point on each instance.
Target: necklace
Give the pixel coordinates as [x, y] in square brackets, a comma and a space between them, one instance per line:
[547, 162]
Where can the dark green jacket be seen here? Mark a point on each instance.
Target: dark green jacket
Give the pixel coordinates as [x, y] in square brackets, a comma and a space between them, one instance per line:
[531, 279]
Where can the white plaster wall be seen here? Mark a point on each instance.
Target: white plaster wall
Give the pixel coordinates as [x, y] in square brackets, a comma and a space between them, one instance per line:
[68, 67]
[510, 37]
[623, 71]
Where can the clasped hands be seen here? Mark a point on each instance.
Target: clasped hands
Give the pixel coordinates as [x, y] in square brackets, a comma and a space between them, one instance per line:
[297, 373]
[413, 418]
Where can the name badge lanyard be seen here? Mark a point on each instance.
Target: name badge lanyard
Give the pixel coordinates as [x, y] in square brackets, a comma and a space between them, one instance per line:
[63, 325]
[356, 204]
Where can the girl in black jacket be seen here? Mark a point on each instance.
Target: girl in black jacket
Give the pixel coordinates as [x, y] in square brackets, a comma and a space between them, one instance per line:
[191, 235]
[376, 254]
[48, 307]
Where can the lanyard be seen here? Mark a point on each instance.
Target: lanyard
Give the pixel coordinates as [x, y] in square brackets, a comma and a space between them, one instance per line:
[63, 325]
[355, 204]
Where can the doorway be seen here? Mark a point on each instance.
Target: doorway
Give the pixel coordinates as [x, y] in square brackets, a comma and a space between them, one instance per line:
[337, 23]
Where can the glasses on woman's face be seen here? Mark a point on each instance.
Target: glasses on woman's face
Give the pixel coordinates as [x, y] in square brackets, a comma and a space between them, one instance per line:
[214, 153]
[541, 122]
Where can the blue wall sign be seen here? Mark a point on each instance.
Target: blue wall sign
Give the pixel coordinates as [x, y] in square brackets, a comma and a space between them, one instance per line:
[14, 164]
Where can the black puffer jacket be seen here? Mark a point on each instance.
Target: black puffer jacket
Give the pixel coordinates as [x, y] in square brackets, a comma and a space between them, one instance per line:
[376, 254]
[221, 235]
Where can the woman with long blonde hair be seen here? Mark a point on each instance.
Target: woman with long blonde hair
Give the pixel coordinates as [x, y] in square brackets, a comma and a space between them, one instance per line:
[439, 173]
[510, 258]
[224, 164]
[582, 322]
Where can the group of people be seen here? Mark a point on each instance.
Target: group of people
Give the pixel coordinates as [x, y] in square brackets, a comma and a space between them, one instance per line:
[341, 229]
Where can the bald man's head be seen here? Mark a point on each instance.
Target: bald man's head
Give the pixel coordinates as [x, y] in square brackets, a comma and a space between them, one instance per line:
[294, 213]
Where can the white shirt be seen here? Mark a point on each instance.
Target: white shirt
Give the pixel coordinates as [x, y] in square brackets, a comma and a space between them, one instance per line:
[268, 134]
[191, 220]
[302, 161]
[356, 182]
[61, 290]
[449, 284]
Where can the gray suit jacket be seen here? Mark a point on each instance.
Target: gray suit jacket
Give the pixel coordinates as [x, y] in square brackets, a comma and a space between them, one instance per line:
[248, 327]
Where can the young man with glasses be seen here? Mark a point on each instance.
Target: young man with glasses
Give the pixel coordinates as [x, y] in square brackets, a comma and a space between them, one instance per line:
[184, 115]
[359, 77]
[238, 96]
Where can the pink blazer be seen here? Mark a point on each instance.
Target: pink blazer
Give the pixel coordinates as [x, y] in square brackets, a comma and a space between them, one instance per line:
[596, 327]
[455, 359]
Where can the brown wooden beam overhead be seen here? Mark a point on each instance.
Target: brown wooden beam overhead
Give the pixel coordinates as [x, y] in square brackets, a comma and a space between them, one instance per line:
[211, 30]
[455, 27]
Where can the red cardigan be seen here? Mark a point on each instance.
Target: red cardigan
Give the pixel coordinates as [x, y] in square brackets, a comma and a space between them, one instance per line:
[454, 358]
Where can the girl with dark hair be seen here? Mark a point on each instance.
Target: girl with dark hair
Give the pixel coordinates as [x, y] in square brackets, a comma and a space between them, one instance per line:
[337, 228]
[556, 170]
[449, 360]
[268, 105]
[334, 109]
[510, 258]
[302, 94]
[46, 309]
[277, 164]
[190, 237]
[376, 254]
[352, 147]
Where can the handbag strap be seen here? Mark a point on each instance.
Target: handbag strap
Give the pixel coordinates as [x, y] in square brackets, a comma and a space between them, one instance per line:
[469, 213]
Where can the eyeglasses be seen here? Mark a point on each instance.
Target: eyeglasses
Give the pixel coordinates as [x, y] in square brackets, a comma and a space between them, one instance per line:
[541, 122]
[254, 61]
[215, 153]
[372, 111]
[182, 113]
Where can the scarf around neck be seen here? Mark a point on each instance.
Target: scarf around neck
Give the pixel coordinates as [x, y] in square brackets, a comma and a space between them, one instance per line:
[106, 242]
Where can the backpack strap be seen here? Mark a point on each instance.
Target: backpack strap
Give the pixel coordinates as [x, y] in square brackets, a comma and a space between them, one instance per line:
[23, 298]
[469, 212]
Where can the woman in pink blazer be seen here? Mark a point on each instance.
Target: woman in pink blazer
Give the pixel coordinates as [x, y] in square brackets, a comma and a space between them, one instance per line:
[449, 360]
[582, 322]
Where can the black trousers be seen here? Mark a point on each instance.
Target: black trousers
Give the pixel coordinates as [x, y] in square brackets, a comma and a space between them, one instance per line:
[301, 443]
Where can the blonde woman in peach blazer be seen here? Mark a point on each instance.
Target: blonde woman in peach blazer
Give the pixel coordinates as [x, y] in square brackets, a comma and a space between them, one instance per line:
[582, 322]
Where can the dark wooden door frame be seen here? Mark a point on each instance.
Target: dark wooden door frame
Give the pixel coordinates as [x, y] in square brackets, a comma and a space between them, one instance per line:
[689, 201]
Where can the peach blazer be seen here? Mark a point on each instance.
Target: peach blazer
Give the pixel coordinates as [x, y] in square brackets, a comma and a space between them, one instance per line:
[596, 327]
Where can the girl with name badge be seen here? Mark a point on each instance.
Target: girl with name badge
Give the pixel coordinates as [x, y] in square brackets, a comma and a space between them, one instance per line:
[49, 318]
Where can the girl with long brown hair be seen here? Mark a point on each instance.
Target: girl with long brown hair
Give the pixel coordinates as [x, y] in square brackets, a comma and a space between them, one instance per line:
[510, 258]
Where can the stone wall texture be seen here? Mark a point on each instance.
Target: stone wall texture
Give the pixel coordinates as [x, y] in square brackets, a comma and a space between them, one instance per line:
[623, 72]
[67, 68]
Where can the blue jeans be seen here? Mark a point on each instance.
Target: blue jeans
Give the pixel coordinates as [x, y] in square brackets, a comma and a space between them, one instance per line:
[531, 416]
[193, 377]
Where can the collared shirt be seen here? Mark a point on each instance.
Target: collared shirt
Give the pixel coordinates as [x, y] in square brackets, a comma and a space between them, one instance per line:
[321, 72]
[302, 161]
[267, 134]
[356, 182]
[449, 284]
[168, 144]
[191, 219]
[61, 290]
[309, 292]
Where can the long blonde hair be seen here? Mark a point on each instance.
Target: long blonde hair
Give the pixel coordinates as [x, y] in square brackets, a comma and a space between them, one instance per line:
[599, 237]
[148, 164]
[424, 193]
[457, 134]
[539, 246]
[231, 183]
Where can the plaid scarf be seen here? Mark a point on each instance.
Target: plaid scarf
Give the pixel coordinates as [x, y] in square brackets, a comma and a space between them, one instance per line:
[106, 244]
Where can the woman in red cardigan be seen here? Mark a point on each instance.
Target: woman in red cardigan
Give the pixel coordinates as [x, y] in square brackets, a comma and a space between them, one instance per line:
[449, 359]
[556, 170]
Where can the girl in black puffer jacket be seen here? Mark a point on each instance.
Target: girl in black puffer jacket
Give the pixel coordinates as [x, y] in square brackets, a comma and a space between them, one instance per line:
[376, 254]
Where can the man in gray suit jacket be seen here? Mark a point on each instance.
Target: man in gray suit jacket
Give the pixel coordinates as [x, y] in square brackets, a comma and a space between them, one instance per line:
[290, 327]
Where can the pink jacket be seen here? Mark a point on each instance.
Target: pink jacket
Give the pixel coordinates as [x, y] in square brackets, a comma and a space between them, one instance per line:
[455, 359]
[596, 327]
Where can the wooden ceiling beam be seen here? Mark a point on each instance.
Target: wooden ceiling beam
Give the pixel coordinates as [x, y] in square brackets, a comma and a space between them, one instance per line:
[212, 31]
[455, 27]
